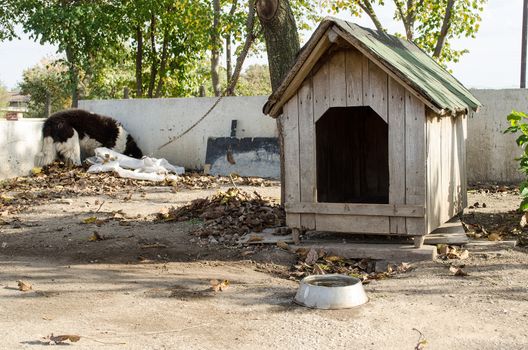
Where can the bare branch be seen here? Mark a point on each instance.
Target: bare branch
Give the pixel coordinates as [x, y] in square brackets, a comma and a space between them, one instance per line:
[250, 38]
[366, 6]
[446, 24]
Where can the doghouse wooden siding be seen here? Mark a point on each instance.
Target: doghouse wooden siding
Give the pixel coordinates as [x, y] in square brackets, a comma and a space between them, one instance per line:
[446, 168]
[425, 110]
[405, 116]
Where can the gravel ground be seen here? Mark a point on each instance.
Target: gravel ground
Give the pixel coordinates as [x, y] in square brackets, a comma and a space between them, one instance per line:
[147, 287]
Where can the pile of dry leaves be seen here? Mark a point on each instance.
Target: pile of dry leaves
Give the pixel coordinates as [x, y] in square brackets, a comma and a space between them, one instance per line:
[229, 215]
[318, 262]
[59, 181]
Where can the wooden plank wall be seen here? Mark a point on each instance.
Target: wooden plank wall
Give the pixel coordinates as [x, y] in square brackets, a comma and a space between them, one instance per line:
[446, 172]
[290, 120]
[348, 78]
[396, 112]
[307, 150]
[414, 160]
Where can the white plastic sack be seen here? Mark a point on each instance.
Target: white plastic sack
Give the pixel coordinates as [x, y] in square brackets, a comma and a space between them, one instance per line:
[151, 169]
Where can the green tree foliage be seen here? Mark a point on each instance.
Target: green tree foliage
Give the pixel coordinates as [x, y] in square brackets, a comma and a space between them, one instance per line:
[47, 81]
[7, 20]
[254, 81]
[519, 125]
[168, 37]
[432, 24]
[82, 30]
[4, 98]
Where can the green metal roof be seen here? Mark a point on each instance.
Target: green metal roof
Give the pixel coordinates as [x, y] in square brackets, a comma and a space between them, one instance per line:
[403, 58]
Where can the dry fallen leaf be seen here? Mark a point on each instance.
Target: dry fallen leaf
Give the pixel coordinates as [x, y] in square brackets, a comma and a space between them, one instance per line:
[443, 249]
[255, 238]
[318, 270]
[524, 220]
[219, 286]
[36, 170]
[311, 257]
[24, 286]
[58, 339]
[457, 271]
[96, 237]
[464, 254]
[494, 237]
[283, 245]
[90, 220]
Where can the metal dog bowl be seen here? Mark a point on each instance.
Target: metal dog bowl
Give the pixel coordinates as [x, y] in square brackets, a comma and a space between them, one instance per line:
[330, 292]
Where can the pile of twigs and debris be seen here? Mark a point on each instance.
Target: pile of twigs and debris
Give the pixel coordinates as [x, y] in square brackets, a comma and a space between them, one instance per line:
[60, 181]
[229, 215]
[318, 262]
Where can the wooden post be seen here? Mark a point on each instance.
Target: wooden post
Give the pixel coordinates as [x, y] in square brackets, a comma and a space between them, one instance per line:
[524, 42]
[125, 93]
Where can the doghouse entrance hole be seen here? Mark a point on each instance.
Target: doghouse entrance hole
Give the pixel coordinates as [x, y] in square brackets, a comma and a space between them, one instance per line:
[352, 156]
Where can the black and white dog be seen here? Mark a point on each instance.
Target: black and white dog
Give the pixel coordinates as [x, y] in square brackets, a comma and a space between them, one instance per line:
[74, 134]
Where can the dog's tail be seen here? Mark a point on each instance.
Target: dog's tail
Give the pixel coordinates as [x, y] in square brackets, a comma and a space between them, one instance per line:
[48, 152]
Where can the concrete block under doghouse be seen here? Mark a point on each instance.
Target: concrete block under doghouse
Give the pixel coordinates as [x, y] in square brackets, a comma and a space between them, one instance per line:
[374, 135]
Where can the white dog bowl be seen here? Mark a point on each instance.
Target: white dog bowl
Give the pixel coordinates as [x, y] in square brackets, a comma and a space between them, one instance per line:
[330, 292]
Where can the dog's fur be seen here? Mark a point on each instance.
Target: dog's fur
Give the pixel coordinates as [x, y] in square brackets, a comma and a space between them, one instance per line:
[74, 134]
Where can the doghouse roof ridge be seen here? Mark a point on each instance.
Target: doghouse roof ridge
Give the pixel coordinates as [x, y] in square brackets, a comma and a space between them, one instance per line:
[401, 59]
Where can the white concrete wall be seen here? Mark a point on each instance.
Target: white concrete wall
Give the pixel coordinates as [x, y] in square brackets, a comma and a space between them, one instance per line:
[153, 122]
[19, 143]
[491, 153]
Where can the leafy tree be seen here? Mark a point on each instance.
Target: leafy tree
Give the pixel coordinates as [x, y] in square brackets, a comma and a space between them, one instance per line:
[47, 85]
[519, 125]
[82, 30]
[431, 24]
[168, 38]
[254, 81]
[4, 98]
[7, 30]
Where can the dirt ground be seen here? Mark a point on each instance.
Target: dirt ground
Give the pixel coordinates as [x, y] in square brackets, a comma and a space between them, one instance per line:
[146, 285]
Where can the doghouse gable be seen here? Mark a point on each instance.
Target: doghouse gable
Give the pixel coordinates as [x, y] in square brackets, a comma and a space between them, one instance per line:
[373, 143]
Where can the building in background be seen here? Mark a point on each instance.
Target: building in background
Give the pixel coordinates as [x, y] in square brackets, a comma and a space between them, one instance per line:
[17, 106]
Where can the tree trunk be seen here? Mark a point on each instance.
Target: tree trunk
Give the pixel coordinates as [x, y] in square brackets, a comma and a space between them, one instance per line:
[163, 64]
[139, 62]
[215, 54]
[74, 77]
[446, 24]
[280, 33]
[282, 46]
[154, 64]
[229, 67]
[229, 54]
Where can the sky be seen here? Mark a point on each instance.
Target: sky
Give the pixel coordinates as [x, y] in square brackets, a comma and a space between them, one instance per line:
[493, 60]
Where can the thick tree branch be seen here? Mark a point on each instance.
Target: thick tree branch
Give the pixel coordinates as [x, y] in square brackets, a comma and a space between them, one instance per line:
[163, 64]
[229, 68]
[215, 54]
[446, 24]
[154, 65]
[139, 62]
[250, 39]
[366, 6]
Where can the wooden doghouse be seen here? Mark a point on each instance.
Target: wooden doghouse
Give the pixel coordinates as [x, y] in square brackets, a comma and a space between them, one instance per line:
[374, 135]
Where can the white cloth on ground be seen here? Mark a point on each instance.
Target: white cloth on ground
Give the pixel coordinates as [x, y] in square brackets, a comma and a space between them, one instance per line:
[150, 169]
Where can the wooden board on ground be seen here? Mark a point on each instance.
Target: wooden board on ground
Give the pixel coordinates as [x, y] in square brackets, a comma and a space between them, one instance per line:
[265, 237]
[395, 253]
[451, 232]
